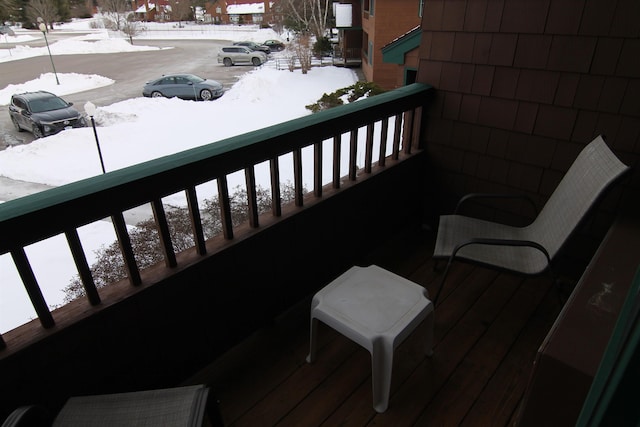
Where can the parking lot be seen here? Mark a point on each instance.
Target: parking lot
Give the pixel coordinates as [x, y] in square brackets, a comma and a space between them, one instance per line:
[129, 71]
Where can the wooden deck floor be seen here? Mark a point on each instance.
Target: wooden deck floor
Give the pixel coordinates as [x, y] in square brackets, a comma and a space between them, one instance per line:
[489, 326]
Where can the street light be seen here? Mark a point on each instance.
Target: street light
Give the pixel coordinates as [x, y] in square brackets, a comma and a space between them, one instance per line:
[90, 109]
[43, 27]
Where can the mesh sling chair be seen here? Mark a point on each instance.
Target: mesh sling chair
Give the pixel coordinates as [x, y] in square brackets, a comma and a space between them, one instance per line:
[188, 406]
[531, 249]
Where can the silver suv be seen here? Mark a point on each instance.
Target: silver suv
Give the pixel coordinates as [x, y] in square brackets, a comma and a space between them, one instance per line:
[232, 55]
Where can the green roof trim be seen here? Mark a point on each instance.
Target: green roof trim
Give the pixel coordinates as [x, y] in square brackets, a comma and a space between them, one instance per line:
[394, 52]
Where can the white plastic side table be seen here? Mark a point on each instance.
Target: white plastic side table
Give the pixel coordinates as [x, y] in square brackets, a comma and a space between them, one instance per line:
[376, 309]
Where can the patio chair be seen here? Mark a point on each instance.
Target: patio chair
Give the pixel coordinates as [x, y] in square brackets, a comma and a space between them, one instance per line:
[531, 249]
[172, 407]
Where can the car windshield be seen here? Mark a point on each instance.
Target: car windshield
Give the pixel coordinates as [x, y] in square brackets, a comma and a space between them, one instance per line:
[47, 104]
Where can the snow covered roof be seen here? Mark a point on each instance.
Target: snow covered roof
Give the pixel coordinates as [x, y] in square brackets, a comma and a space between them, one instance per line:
[142, 9]
[407, 34]
[394, 52]
[244, 9]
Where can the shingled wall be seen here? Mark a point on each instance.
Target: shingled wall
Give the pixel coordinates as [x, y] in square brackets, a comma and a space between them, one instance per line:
[522, 87]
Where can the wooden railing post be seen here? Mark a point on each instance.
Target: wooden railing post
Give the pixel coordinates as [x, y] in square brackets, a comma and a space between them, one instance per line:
[297, 176]
[337, 142]
[196, 220]
[317, 169]
[353, 155]
[276, 203]
[83, 267]
[225, 208]
[31, 285]
[252, 198]
[124, 241]
[163, 233]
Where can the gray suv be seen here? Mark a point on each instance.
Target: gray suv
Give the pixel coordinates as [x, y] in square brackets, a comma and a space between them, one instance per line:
[43, 113]
[232, 55]
[6, 30]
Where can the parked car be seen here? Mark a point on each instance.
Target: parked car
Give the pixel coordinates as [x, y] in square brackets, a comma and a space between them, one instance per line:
[232, 55]
[183, 86]
[254, 46]
[43, 113]
[274, 45]
[6, 30]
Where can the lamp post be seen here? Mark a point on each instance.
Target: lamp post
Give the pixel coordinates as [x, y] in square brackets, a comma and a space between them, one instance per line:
[43, 27]
[90, 109]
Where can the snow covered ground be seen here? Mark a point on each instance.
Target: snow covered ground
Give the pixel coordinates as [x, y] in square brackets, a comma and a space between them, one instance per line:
[129, 134]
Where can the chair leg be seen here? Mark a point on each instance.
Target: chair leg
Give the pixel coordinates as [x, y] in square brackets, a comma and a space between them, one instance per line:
[381, 368]
[313, 340]
[430, 324]
[444, 277]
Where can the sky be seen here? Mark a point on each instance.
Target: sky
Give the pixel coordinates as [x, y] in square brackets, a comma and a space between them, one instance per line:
[258, 94]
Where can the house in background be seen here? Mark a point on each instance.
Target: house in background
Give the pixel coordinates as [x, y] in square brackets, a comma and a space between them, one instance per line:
[214, 12]
[150, 12]
[383, 21]
[382, 37]
[239, 12]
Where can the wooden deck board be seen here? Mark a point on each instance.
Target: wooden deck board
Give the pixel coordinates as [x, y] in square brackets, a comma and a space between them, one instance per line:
[479, 364]
[498, 402]
[488, 328]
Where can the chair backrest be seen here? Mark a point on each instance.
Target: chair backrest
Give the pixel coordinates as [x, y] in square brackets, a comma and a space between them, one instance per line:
[595, 168]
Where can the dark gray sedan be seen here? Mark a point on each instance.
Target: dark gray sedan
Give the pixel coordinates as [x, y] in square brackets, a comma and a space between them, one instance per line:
[184, 86]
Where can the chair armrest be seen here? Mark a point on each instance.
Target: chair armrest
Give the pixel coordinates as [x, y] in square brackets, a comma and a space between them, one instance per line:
[487, 241]
[471, 196]
[501, 242]
[28, 416]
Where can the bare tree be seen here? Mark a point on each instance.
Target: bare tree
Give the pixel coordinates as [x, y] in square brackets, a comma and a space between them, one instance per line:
[131, 28]
[302, 47]
[45, 9]
[313, 14]
[115, 12]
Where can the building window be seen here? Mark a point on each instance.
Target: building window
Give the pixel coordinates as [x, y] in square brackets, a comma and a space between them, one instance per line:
[410, 75]
[372, 6]
[365, 45]
[420, 7]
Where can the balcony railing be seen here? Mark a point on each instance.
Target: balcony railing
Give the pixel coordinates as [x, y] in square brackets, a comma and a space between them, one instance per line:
[351, 56]
[360, 136]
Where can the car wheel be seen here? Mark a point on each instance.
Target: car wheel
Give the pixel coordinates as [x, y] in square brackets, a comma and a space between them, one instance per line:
[37, 133]
[227, 62]
[206, 95]
[156, 94]
[16, 125]
[256, 61]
